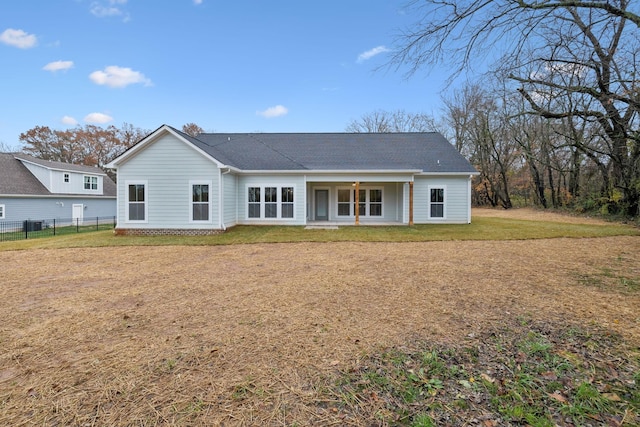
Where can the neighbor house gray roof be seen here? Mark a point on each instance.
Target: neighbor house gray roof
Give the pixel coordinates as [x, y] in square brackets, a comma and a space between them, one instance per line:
[51, 164]
[428, 152]
[15, 178]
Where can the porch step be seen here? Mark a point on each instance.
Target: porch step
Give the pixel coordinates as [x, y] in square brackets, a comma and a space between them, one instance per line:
[321, 227]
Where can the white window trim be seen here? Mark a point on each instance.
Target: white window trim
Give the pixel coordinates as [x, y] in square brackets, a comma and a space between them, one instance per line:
[444, 202]
[91, 189]
[199, 221]
[146, 201]
[352, 202]
[262, 187]
[67, 178]
[3, 213]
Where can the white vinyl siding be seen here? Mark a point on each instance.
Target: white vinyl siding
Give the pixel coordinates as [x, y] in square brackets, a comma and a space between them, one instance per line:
[66, 182]
[54, 207]
[456, 198]
[229, 188]
[168, 165]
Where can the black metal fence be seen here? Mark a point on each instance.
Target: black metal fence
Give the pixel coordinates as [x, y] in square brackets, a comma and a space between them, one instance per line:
[30, 228]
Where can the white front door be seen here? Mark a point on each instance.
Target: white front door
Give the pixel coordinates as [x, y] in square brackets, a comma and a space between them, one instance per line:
[77, 212]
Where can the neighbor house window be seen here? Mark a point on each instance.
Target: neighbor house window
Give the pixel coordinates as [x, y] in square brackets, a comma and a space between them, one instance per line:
[200, 202]
[90, 182]
[136, 201]
[436, 202]
[369, 202]
[270, 202]
[66, 177]
[1, 211]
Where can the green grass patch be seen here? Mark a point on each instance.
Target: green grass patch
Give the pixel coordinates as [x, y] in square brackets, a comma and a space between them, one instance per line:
[483, 228]
[535, 374]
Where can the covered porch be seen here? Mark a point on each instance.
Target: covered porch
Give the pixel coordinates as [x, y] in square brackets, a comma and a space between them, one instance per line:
[370, 201]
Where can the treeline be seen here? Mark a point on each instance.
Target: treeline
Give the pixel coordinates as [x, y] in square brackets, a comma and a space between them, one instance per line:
[86, 145]
[526, 159]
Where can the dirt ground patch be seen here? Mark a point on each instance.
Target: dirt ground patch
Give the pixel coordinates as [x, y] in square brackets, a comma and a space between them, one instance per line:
[243, 335]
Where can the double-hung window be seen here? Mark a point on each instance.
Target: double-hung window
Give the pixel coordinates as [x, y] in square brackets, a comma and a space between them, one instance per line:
[287, 202]
[436, 202]
[136, 201]
[369, 202]
[344, 202]
[90, 182]
[66, 177]
[200, 201]
[254, 202]
[2, 214]
[270, 202]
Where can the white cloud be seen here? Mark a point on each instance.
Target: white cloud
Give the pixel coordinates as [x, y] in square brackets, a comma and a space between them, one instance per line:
[97, 118]
[106, 9]
[68, 120]
[114, 76]
[18, 38]
[197, 1]
[371, 53]
[271, 112]
[58, 65]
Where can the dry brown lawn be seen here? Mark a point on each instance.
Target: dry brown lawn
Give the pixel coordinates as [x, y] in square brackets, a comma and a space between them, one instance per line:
[247, 334]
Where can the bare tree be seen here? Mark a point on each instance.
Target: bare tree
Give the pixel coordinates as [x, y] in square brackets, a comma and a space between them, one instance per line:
[381, 121]
[572, 60]
[192, 129]
[478, 122]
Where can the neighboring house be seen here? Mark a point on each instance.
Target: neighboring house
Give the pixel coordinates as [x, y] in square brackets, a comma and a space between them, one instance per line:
[36, 189]
[171, 182]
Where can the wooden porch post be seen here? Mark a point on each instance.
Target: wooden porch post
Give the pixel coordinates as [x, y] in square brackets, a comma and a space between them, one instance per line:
[357, 197]
[410, 202]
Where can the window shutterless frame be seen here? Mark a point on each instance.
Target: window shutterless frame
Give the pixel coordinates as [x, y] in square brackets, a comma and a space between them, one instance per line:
[270, 202]
[437, 202]
[136, 206]
[90, 182]
[200, 201]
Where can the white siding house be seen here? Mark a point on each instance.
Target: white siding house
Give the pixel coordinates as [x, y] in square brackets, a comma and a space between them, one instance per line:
[171, 182]
[32, 188]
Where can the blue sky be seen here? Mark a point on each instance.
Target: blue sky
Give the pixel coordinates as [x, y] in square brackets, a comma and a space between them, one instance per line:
[228, 66]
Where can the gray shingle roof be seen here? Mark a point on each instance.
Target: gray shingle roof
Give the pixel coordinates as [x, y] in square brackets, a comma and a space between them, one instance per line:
[429, 152]
[16, 179]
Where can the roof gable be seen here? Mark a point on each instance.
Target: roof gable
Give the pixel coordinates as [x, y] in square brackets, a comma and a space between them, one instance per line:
[154, 136]
[428, 152]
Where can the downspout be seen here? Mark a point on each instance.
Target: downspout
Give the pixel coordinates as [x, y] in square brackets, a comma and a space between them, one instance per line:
[469, 199]
[221, 199]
